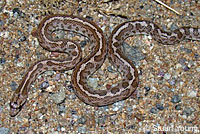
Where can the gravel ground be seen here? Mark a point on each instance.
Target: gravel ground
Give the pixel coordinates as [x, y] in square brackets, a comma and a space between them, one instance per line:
[166, 100]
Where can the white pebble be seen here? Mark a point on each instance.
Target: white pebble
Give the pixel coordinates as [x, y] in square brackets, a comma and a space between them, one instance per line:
[192, 94]
[93, 82]
[198, 69]
[167, 76]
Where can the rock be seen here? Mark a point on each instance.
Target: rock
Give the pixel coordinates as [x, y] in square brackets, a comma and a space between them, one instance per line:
[4, 130]
[176, 99]
[192, 94]
[58, 97]
[93, 82]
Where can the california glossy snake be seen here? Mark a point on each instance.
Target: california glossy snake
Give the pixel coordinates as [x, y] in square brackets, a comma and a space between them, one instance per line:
[86, 67]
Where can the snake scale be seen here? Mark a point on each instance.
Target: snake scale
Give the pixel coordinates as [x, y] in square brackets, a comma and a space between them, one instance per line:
[82, 69]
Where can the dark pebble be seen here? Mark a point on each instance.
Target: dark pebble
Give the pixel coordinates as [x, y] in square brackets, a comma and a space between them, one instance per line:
[182, 61]
[173, 27]
[178, 107]
[82, 120]
[1, 22]
[132, 53]
[188, 111]
[172, 82]
[153, 110]
[83, 43]
[141, 7]
[176, 99]
[20, 33]
[186, 68]
[22, 38]
[80, 10]
[148, 132]
[186, 50]
[72, 122]
[147, 89]
[196, 55]
[72, 96]
[70, 88]
[89, 18]
[110, 69]
[191, 14]
[4, 130]
[1, 109]
[101, 120]
[16, 10]
[62, 108]
[131, 127]
[44, 85]
[28, 51]
[82, 130]
[161, 73]
[2, 60]
[13, 85]
[73, 112]
[159, 106]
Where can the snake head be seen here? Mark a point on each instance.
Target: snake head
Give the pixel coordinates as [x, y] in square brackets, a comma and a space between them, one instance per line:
[16, 104]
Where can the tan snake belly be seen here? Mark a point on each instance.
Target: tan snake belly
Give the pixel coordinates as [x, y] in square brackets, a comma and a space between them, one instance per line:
[86, 67]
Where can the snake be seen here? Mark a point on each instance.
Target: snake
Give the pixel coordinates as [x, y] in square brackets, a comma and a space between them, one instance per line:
[102, 48]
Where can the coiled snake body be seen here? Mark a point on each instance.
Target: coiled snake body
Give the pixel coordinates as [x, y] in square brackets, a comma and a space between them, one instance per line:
[84, 68]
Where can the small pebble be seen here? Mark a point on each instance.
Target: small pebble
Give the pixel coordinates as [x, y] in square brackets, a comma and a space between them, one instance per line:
[186, 68]
[13, 85]
[49, 73]
[93, 82]
[172, 82]
[178, 107]
[4, 130]
[2, 60]
[133, 53]
[58, 97]
[16, 10]
[182, 61]
[186, 50]
[159, 106]
[196, 55]
[147, 89]
[89, 18]
[62, 129]
[57, 77]
[70, 88]
[198, 69]
[44, 85]
[118, 105]
[82, 120]
[82, 129]
[83, 43]
[62, 108]
[188, 111]
[22, 38]
[30, 132]
[80, 9]
[1, 22]
[176, 99]
[167, 76]
[153, 110]
[73, 112]
[110, 69]
[161, 73]
[192, 94]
